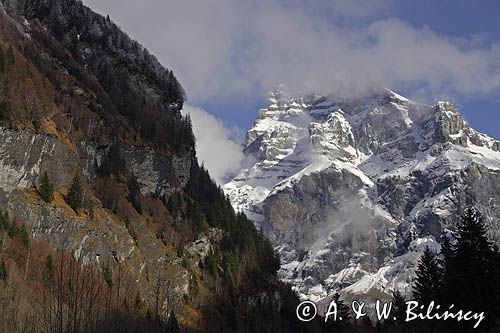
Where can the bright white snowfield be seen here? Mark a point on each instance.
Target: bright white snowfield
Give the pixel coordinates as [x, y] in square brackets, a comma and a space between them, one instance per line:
[352, 190]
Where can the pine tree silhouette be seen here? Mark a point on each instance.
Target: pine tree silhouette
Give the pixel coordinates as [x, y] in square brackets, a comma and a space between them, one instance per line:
[447, 252]
[172, 324]
[343, 316]
[428, 278]
[343, 309]
[472, 280]
[398, 309]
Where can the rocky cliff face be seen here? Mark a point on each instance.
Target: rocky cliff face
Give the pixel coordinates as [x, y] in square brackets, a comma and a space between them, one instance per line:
[155, 173]
[97, 236]
[350, 190]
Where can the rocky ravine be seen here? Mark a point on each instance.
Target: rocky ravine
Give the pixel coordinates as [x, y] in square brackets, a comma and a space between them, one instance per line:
[352, 190]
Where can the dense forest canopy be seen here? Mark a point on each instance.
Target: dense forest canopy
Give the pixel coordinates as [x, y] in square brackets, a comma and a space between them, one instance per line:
[130, 81]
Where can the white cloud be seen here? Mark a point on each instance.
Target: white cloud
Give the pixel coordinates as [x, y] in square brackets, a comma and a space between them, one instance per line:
[221, 155]
[353, 9]
[225, 48]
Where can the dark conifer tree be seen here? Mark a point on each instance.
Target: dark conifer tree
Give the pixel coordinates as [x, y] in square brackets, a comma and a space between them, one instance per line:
[447, 252]
[428, 279]
[24, 236]
[172, 324]
[4, 274]
[49, 265]
[471, 279]
[343, 310]
[4, 219]
[10, 56]
[5, 111]
[2, 61]
[13, 230]
[134, 194]
[75, 194]
[398, 309]
[46, 188]
[343, 316]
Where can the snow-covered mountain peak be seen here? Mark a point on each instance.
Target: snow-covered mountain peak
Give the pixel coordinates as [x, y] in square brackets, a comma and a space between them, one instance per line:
[348, 187]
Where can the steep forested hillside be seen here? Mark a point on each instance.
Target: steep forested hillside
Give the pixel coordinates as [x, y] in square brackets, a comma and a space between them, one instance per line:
[124, 77]
[99, 183]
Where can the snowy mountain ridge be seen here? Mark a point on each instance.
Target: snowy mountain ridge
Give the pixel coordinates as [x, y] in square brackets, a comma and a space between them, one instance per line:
[350, 190]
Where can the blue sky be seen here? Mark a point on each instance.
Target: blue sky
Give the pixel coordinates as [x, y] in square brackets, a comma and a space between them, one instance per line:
[228, 53]
[463, 18]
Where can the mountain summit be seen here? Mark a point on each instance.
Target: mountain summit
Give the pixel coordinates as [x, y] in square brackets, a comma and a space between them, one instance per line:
[352, 190]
